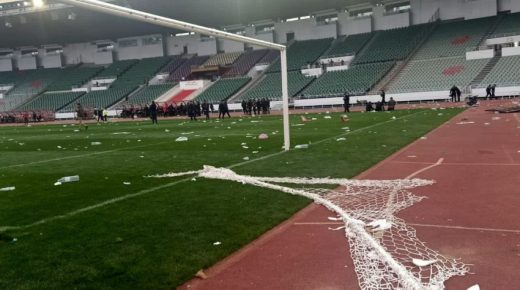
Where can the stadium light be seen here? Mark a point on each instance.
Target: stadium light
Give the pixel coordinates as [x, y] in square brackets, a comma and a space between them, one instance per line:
[38, 3]
[117, 10]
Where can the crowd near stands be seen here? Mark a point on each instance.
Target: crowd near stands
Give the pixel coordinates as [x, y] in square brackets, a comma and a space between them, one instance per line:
[426, 57]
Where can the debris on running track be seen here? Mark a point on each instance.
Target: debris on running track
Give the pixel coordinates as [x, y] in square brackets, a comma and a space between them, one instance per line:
[200, 274]
[474, 287]
[423, 263]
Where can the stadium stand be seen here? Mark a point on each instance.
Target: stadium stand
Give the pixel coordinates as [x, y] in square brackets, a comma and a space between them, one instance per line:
[146, 95]
[99, 99]
[390, 45]
[222, 59]
[117, 68]
[50, 101]
[300, 53]
[454, 38]
[505, 72]
[270, 57]
[184, 70]
[174, 63]
[246, 62]
[73, 77]
[271, 86]
[222, 89]
[437, 74]
[357, 80]
[510, 24]
[141, 72]
[351, 44]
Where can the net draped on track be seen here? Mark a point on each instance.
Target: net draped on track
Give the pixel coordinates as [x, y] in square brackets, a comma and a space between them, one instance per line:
[386, 252]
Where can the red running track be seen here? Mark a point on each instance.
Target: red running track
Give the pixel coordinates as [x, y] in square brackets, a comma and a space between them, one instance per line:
[472, 212]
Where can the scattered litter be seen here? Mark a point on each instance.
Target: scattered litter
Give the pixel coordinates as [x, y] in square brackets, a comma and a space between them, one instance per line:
[465, 123]
[200, 274]
[263, 136]
[141, 156]
[95, 143]
[341, 139]
[217, 243]
[187, 133]
[314, 119]
[474, 287]
[327, 117]
[181, 139]
[255, 152]
[59, 147]
[76, 130]
[298, 125]
[10, 188]
[246, 158]
[243, 144]
[127, 183]
[67, 179]
[487, 124]
[334, 218]
[21, 144]
[194, 179]
[166, 130]
[336, 229]
[301, 146]
[424, 138]
[495, 118]
[139, 140]
[393, 118]
[380, 225]
[245, 147]
[346, 128]
[121, 133]
[440, 114]
[253, 121]
[412, 156]
[423, 263]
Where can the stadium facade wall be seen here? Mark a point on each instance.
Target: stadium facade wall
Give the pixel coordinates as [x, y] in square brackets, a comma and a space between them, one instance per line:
[225, 45]
[348, 25]
[140, 50]
[79, 52]
[303, 30]
[509, 5]
[266, 36]
[382, 21]
[195, 45]
[51, 61]
[422, 10]
[6, 64]
[25, 62]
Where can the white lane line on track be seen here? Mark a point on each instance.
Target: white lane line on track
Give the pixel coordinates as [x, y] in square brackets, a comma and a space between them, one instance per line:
[439, 162]
[146, 191]
[466, 228]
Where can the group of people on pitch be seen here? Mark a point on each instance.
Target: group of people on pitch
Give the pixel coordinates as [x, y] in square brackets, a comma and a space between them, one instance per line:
[379, 106]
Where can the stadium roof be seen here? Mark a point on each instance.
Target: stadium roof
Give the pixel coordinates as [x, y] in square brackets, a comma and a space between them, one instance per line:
[79, 25]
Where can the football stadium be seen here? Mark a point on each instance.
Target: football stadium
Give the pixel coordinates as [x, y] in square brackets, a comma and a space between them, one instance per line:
[238, 144]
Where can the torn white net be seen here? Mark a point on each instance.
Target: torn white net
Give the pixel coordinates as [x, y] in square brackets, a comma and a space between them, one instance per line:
[383, 259]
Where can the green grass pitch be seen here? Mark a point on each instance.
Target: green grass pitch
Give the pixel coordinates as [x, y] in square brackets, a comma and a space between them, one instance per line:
[156, 233]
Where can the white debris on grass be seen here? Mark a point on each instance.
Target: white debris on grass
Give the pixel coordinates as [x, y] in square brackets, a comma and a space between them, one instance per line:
[217, 243]
[127, 183]
[95, 143]
[263, 136]
[301, 146]
[245, 158]
[341, 139]
[255, 152]
[121, 133]
[181, 139]
[327, 117]
[166, 130]
[59, 147]
[67, 179]
[424, 138]
[9, 188]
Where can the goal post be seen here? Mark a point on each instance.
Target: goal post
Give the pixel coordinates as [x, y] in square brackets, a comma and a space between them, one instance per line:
[130, 13]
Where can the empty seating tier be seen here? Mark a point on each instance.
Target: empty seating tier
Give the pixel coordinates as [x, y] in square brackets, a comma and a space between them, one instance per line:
[246, 62]
[349, 45]
[454, 38]
[301, 53]
[505, 73]
[357, 80]
[271, 86]
[99, 99]
[437, 74]
[141, 72]
[73, 77]
[50, 101]
[184, 70]
[222, 59]
[390, 45]
[146, 95]
[117, 68]
[510, 24]
[222, 89]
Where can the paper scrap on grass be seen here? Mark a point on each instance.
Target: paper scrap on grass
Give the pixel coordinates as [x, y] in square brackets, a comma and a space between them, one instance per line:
[181, 139]
[246, 158]
[127, 183]
[95, 143]
[423, 263]
[10, 188]
[301, 146]
[327, 117]
[341, 139]
[217, 243]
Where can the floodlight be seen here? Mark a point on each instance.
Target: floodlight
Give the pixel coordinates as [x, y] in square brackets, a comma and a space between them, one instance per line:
[38, 3]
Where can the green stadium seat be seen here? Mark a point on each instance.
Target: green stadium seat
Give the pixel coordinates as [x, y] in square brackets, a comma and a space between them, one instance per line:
[222, 89]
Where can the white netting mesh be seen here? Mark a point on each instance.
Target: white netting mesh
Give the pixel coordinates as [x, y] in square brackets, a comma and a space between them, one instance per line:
[386, 252]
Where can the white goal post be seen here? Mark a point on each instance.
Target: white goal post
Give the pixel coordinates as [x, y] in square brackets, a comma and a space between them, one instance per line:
[117, 10]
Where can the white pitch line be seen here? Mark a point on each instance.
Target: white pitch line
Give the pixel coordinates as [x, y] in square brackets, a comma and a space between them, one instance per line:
[439, 162]
[79, 156]
[140, 193]
[467, 228]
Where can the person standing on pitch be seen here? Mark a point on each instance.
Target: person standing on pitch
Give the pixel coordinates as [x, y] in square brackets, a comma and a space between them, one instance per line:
[205, 109]
[80, 114]
[153, 112]
[383, 100]
[346, 103]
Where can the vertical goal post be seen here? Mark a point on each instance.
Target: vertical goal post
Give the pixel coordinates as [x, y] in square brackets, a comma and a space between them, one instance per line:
[125, 12]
